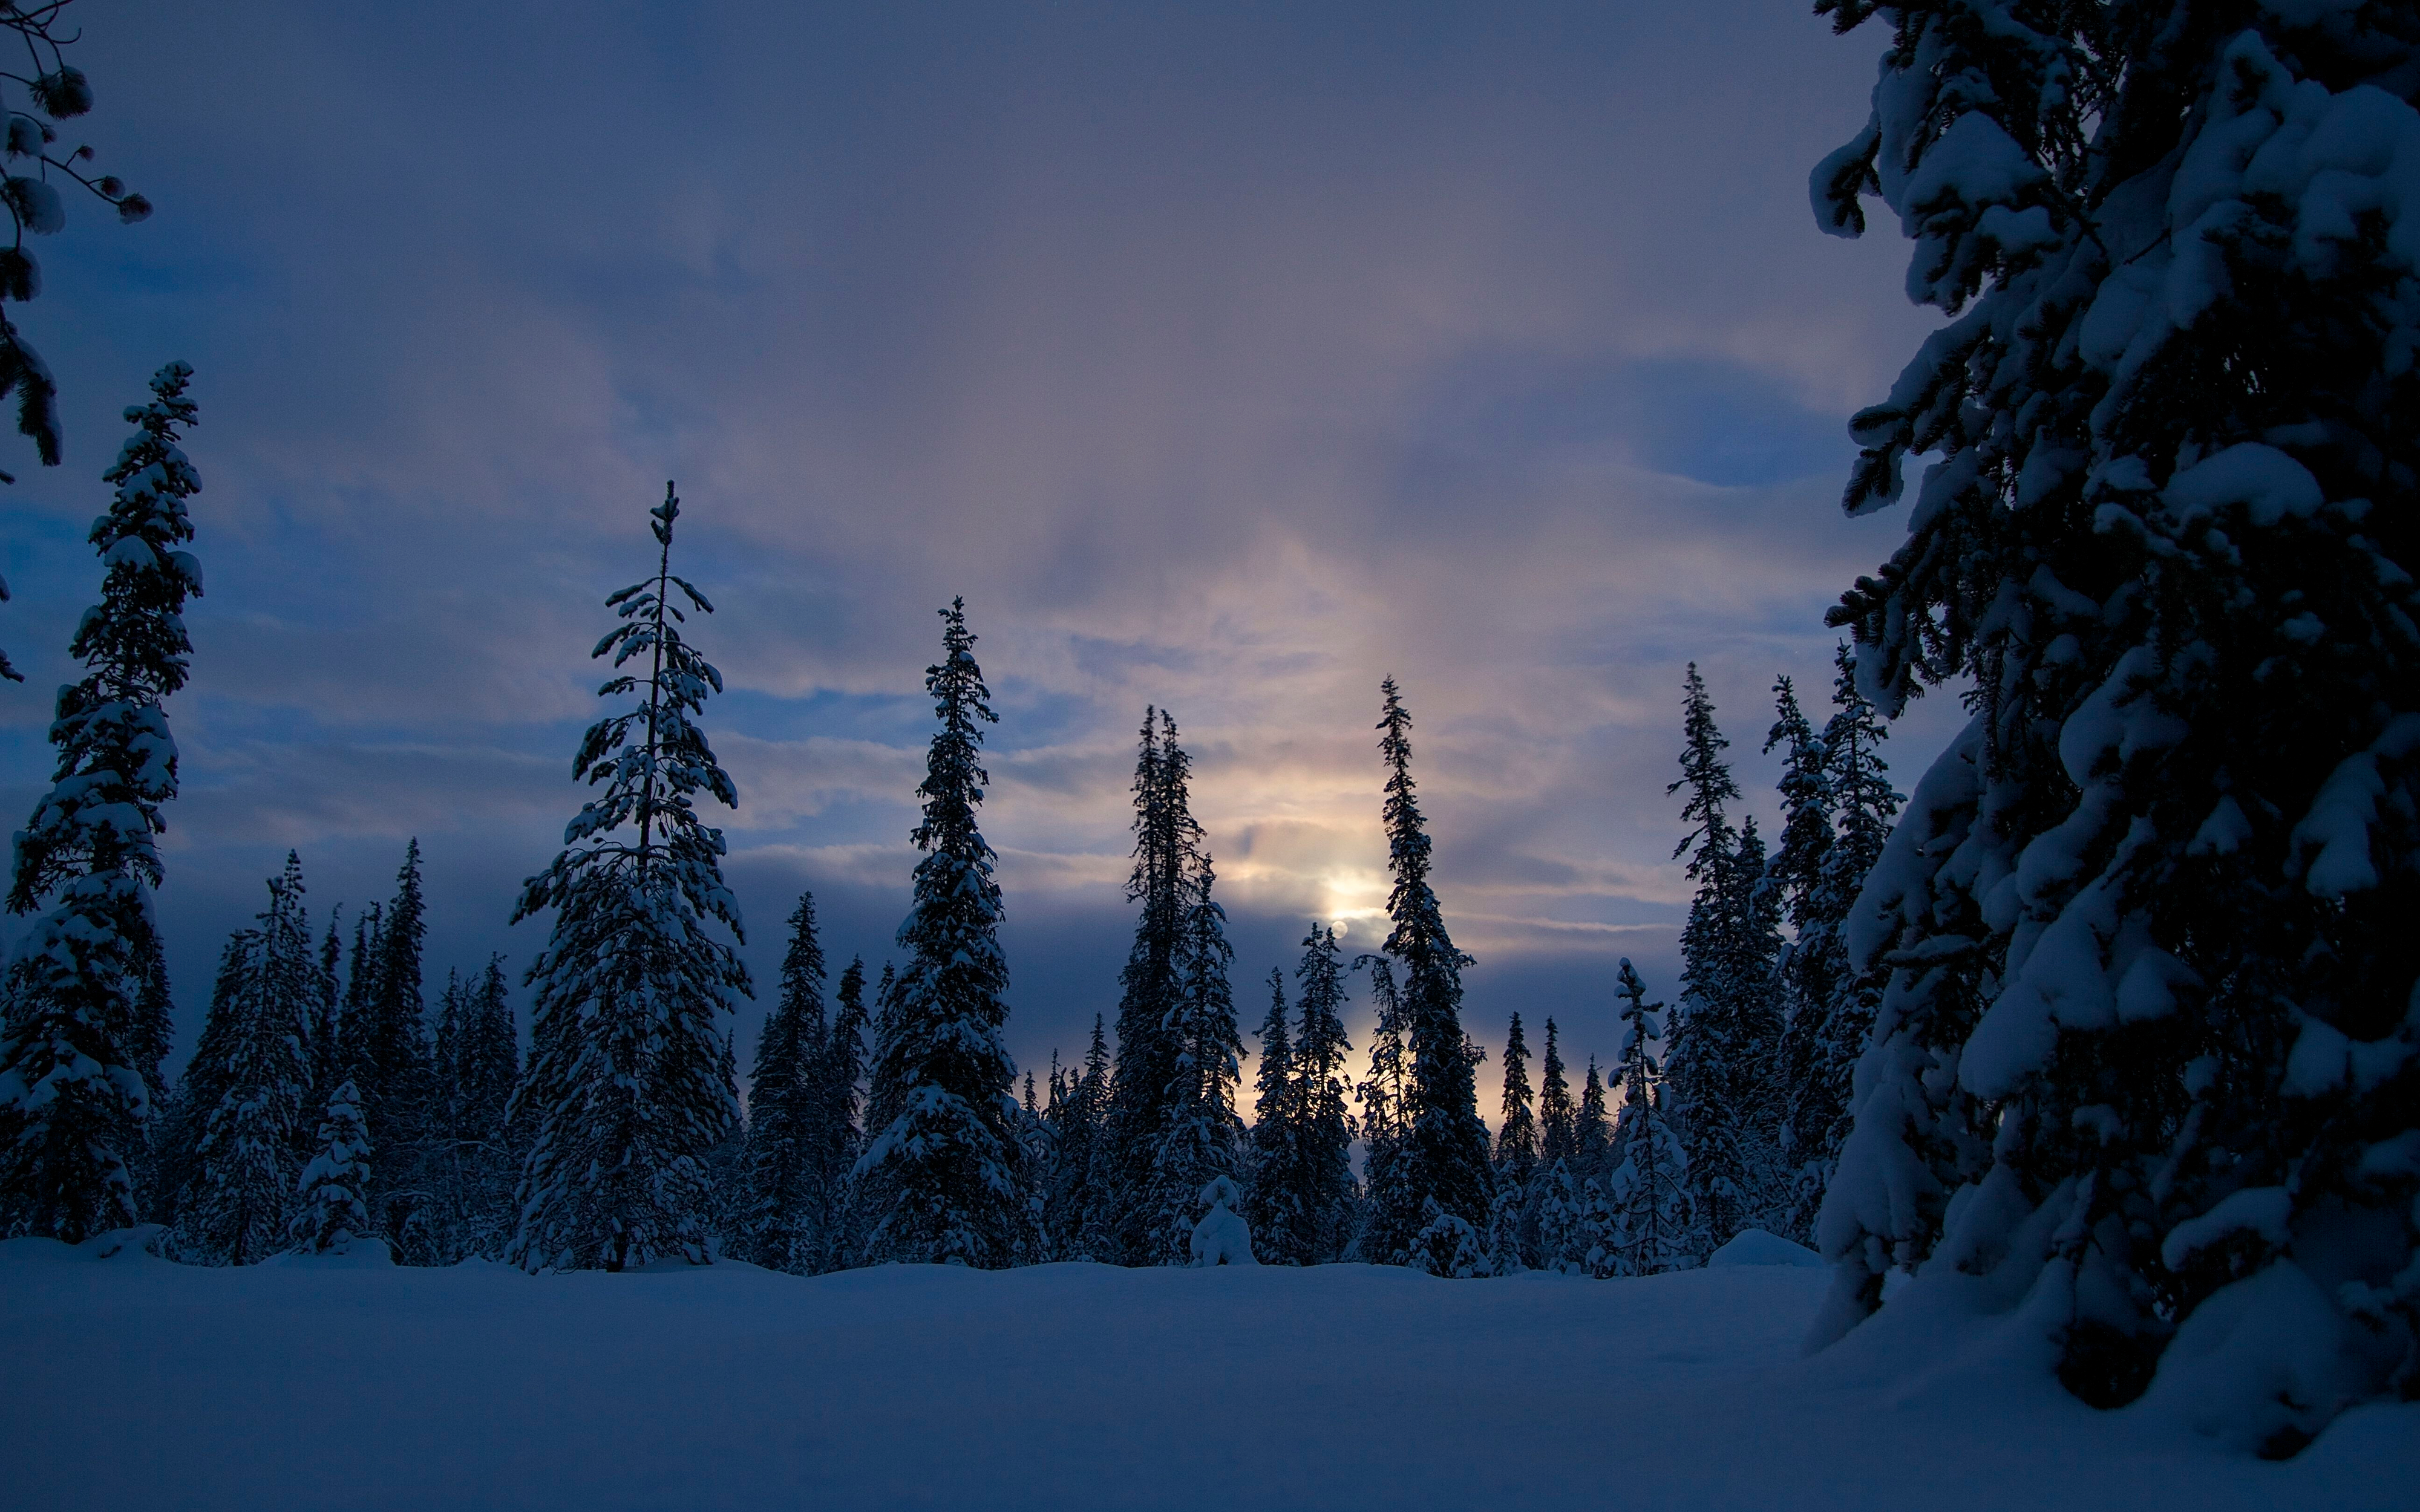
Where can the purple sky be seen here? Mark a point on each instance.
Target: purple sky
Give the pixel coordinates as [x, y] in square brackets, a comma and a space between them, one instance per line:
[1225, 361]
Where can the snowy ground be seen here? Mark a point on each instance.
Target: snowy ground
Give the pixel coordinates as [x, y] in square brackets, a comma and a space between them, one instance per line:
[131, 1382]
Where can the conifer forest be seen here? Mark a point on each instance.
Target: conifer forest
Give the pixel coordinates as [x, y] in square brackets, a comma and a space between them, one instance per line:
[1465, 869]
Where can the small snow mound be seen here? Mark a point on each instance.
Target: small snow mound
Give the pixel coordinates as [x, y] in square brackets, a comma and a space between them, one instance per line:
[1222, 1238]
[353, 1255]
[1754, 1246]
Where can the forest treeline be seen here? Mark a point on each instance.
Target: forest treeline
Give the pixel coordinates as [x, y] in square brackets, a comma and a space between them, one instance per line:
[328, 1099]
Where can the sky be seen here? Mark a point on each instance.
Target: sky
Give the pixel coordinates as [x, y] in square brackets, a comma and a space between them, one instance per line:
[1227, 359]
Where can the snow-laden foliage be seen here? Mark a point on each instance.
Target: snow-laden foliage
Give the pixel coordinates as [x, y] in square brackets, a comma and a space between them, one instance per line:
[630, 1084]
[2149, 1052]
[1445, 1155]
[943, 1173]
[333, 1209]
[83, 1005]
[32, 166]
[1221, 1237]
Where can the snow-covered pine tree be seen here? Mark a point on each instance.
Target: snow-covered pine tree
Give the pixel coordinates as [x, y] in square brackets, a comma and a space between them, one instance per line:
[176, 1133]
[486, 1160]
[82, 1017]
[235, 1211]
[1389, 1215]
[2149, 1054]
[943, 1175]
[1811, 966]
[327, 1015]
[1591, 1130]
[1754, 970]
[1557, 1119]
[442, 1213]
[1509, 1231]
[1839, 778]
[1650, 1224]
[1324, 1128]
[333, 1209]
[1202, 1138]
[781, 1218]
[1167, 867]
[1444, 1143]
[1725, 1026]
[629, 1084]
[397, 1083]
[1557, 1130]
[839, 1133]
[1273, 1202]
[1076, 1210]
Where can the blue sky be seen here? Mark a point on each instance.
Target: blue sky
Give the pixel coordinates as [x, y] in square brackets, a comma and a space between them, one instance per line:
[1224, 358]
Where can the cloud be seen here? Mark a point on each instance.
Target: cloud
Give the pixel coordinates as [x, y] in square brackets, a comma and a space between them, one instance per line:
[1225, 360]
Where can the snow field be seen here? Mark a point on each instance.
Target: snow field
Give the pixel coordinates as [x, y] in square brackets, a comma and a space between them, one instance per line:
[138, 1382]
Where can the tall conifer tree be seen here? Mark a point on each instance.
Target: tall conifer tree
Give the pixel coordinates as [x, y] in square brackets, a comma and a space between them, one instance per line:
[781, 1222]
[1324, 1129]
[252, 1133]
[1445, 1142]
[1652, 1222]
[1167, 867]
[1202, 1138]
[83, 1008]
[629, 1079]
[945, 1177]
[1273, 1199]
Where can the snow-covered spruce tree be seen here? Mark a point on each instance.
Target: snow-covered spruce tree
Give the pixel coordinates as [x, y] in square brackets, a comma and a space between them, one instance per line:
[327, 1014]
[252, 1139]
[1273, 1202]
[1651, 1221]
[1075, 1208]
[1166, 868]
[1324, 1127]
[393, 1071]
[1511, 1244]
[1557, 1119]
[333, 1210]
[629, 1088]
[839, 1133]
[1444, 1143]
[1811, 966]
[482, 1158]
[83, 1008]
[944, 1177]
[1389, 1215]
[1202, 1140]
[781, 1216]
[1838, 806]
[1726, 1025]
[2149, 1054]
[1591, 1130]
